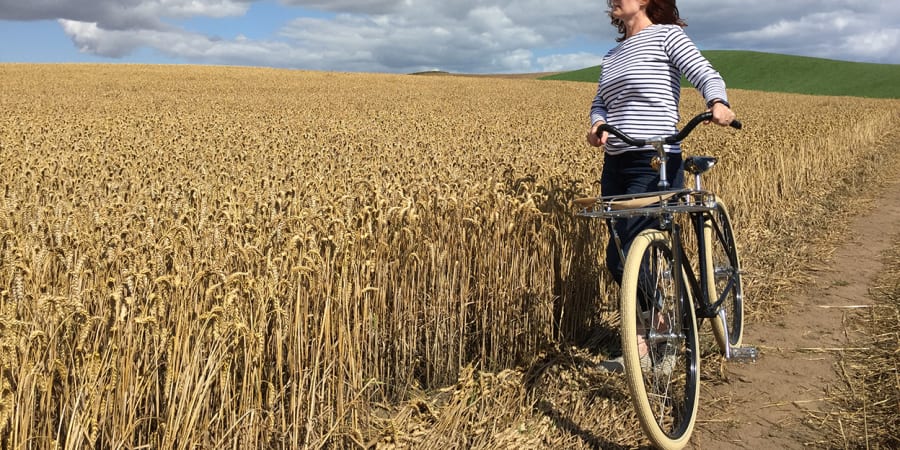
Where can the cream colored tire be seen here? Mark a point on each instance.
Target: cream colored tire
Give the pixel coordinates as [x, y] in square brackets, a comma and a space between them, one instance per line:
[665, 403]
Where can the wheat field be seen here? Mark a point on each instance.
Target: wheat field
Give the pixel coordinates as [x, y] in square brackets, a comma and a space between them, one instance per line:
[198, 257]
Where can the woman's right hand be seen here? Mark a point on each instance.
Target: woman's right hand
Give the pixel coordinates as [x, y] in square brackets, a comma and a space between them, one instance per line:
[593, 139]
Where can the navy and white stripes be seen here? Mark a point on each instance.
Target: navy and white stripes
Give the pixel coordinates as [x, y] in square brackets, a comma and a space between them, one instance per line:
[640, 84]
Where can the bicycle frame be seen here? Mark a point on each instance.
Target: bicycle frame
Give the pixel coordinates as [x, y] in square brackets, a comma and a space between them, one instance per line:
[666, 204]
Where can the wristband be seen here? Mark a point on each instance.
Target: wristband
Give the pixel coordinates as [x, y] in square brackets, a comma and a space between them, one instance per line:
[712, 102]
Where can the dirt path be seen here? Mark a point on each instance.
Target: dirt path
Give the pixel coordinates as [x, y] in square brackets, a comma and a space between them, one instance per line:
[773, 403]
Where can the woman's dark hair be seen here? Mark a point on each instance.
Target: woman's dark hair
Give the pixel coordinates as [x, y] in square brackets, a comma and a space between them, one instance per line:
[659, 11]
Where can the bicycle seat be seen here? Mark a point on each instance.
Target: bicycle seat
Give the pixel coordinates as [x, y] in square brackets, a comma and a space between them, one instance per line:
[699, 164]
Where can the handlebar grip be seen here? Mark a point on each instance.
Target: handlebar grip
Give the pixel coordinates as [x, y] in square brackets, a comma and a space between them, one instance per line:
[736, 124]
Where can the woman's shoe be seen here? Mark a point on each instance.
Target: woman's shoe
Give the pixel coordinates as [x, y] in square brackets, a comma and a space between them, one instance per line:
[617, 364]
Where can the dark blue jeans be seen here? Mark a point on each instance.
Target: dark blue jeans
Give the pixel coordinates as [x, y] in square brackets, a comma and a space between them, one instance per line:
[631, 173]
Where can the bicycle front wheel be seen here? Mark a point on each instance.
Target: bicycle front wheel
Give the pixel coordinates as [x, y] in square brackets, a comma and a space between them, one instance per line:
[659, 341]
[724, 277]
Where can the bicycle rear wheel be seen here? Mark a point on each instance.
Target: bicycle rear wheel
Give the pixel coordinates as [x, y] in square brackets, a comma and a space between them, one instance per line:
[663, 376]
[724, 273]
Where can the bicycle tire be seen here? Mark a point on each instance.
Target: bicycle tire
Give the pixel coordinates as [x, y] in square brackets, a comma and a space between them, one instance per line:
[664, 390]
[723, 267]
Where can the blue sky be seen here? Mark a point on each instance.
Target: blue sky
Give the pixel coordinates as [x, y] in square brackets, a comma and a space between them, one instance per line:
[402, 36]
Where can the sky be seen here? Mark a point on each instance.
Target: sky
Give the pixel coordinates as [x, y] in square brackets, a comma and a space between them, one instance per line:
[405, 36]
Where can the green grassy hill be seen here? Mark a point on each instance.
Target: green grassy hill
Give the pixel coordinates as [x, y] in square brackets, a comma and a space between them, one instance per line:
[782, 73]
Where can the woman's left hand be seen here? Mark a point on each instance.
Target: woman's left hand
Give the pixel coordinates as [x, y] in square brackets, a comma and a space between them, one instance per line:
[722, 115]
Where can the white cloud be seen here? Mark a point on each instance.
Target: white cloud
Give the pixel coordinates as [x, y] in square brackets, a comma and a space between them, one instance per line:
[352, 6]
[460, 36]
[120, 14]
[833, 29]
[833, 23]
[568, 61]
[375, 35]
[89, 38]
[876, 46]
[839, 34]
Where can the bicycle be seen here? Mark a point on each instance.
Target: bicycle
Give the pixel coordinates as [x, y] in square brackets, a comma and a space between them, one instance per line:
[661, 313]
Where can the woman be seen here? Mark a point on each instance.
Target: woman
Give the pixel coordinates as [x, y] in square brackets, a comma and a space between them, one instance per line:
[638, 93]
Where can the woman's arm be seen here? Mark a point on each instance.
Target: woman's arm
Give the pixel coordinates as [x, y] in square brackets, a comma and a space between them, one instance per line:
[698, 70]
[598, 117]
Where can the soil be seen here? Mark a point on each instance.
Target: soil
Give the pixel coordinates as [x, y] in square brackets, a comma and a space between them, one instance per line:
[779, 401]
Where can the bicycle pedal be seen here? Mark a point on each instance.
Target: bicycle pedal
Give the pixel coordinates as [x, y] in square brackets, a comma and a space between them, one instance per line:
[744, 354]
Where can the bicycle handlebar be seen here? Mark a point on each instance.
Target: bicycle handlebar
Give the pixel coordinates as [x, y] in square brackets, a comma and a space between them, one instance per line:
[678, 137]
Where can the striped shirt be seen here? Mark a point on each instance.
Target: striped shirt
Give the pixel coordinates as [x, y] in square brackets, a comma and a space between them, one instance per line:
[640, 84]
